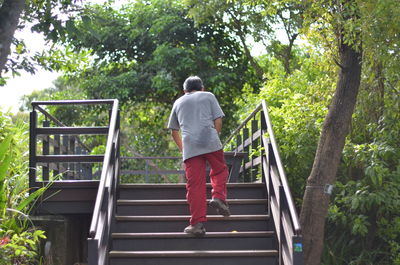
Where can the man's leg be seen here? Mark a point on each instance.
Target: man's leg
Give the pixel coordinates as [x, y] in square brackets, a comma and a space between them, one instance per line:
[195, 169]
[219, 176]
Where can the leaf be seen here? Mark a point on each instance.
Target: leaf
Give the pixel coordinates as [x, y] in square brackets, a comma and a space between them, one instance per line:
[4, 145]
[19, 48]
[4, 167]
[32, 197]
[70, 25]
[87, 21]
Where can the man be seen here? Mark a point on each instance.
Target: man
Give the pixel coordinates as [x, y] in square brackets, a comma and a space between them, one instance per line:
[198, 116]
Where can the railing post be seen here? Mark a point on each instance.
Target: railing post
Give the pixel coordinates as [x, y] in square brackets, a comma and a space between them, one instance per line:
[64, 151]
[32, 148]
[78, 169]
[281, 232]
[46, 151]
[93, 251]
[238, 143]
[263, 121]
[246, 174]
[254, 147]
[118, 159]
[87, 168]
[267, 173]
[72, 173]
[57, 145]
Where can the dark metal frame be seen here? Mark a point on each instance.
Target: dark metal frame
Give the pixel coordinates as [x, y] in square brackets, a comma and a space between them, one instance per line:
[281, 205]
[62, 155]
[104, 207]
[99, 240]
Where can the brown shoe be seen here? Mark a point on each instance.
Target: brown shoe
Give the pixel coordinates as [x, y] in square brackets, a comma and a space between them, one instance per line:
[197, 229]
[221, 207]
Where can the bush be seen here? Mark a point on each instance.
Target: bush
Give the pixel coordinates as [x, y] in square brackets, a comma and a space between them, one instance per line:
[19, 240]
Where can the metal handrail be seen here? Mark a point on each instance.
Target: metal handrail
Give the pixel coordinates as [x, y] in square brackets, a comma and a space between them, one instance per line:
[281, 206]
[106, 163]
[243, 124]
[263, 106]
[288, 195]
[74, 102]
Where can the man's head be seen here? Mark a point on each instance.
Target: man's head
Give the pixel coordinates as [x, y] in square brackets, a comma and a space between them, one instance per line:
[193, 83]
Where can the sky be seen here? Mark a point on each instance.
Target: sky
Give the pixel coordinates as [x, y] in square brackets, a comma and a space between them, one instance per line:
[26, 83]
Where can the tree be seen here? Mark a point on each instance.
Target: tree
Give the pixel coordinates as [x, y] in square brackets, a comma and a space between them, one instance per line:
[241, 19]
[290, 15]
[10, 12]
[347, 24]
[43, 16]
[254, 20]
[145, 52]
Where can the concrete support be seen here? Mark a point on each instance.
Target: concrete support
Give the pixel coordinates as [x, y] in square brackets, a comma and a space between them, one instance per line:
[66, 238]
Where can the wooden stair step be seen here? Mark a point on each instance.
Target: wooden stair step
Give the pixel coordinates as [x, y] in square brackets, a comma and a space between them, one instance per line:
[178, 191]
[183, 185]
[187, 217]
[181, 207]
[194, 253]
[179, 202]
[176, 223]
[199, 257]
[181, 241]
[185, 235]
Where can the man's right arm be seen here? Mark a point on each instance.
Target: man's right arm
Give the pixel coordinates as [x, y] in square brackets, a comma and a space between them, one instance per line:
[177, 138]
[218, 124]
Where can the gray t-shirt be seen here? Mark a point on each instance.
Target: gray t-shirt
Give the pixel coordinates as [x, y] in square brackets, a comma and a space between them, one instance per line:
[194, 113]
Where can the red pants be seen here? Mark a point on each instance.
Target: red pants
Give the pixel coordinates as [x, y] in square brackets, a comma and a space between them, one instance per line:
[195, 168]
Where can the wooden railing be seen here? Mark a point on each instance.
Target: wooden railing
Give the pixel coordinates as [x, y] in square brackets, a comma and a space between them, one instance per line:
[64, 153]
[104, 210]
[255, 136]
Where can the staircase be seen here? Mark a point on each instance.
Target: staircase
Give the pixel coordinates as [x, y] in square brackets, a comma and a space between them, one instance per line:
[151, 217]
[143, 223]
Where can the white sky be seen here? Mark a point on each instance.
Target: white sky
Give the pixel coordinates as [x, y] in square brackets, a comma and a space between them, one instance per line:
[26, 83]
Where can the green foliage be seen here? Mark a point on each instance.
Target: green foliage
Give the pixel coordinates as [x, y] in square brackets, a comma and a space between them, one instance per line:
[20, 248]
[367, 206]
[146, 52]
[18, 242]
[141, 53]
[297, 105]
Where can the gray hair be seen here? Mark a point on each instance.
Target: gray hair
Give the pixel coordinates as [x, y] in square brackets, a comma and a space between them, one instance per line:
[193, 83]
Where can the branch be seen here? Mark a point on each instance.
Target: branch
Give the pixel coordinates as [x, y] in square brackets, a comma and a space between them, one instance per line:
[392, 86]
[241, 34]
[337, 63]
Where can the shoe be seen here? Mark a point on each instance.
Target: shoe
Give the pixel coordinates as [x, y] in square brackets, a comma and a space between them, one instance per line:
[197, 229]
[221, 207]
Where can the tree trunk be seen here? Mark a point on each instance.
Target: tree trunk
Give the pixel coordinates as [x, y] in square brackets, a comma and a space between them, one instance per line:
[330, 147]
[288, 54]
[253, 62]
[10, 12]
